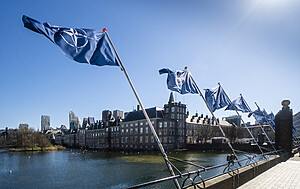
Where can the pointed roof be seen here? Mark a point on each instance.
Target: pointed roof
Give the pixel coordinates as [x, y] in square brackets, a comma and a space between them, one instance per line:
[171, 99]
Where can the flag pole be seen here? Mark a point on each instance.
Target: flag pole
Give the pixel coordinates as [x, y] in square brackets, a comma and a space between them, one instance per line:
[266, 118]
[145, 113]
[259, 123]
[242, 120]
[294, 136]
[223, 133]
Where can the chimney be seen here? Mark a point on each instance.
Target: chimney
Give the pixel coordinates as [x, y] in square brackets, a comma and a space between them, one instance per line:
[137, 107]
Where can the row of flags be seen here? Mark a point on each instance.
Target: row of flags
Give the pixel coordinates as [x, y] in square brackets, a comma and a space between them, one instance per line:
[181, 82]
[93, 47]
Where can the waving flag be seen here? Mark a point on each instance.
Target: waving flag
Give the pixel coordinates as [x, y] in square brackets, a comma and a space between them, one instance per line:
[259, 115]
[216, 98]
[82, 45]
[239, 105]
[179, 81]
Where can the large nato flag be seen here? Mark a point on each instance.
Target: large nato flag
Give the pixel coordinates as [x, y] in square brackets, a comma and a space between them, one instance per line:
[82, 45]
[179, 81]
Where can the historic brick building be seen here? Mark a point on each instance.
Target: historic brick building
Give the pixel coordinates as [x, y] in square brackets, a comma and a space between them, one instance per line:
[174, 127]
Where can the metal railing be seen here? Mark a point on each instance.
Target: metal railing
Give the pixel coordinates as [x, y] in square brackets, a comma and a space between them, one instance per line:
[194, 178]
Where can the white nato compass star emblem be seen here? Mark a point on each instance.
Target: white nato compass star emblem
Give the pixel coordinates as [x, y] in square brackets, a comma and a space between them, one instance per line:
[76, 38]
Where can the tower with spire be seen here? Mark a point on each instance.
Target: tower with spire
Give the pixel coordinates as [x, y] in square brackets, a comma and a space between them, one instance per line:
[176, 112]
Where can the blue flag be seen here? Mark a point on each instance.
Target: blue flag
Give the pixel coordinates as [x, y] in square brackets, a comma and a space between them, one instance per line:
[239, 105]
[259, 115]
[82, 45]
[216, 98]
[179, 81]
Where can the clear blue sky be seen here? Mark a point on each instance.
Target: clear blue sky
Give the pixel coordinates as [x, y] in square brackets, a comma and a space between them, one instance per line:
[251, 47]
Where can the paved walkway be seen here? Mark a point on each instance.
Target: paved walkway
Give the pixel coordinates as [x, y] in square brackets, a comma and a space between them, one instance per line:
[284, 175]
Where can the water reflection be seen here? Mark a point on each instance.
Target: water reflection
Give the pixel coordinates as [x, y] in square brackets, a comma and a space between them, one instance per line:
[88, 169]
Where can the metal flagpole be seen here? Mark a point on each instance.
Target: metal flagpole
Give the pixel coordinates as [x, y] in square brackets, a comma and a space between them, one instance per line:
[242, 121]
[228, 142]
[259, 123]
[266, 118]
[145, 114]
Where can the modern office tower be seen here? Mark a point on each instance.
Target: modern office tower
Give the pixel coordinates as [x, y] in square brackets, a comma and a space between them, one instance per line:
[235, 120]
[106, 115]
[23, 126]
[296, 121]
[74, 120]
[118, 114]
[45, 122]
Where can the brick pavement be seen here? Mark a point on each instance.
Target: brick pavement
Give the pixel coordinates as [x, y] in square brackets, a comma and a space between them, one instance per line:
[284, 175]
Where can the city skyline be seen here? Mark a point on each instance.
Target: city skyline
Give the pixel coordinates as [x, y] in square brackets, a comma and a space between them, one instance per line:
[251, 47]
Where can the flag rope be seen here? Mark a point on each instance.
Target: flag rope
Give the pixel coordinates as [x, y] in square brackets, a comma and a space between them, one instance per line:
[169, 165]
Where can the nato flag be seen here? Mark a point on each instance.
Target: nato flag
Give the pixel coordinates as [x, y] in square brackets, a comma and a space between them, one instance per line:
[216, 98]
[239, 105]
[179, 81]
[82, 45]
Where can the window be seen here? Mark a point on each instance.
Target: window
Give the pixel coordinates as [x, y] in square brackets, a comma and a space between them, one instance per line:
[131, 131]
[131, 124]
[141, 123]
[165, 124]
[160, 124]
[146, 123]
[136, 124]
[159, 132]
[152, 139]
[146, 139]
[167, 109]
[146, 130]
[141, 139]
[152, 123]
[122, 126]
[141, 130]
[126, 130]
[173, 109]
[136, 130]
[126, 125]
[165, 131]
[172, 116]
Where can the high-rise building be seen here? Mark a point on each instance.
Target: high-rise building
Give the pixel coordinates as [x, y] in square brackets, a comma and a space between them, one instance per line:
[74, 120]
[106, 115]
[296, 121]
[235, 120]
[118, 114]
[45, 122]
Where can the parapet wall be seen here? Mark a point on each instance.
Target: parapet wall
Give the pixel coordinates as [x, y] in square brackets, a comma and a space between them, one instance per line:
[244, 174]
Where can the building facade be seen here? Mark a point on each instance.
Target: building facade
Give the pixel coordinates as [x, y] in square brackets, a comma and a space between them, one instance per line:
[174, 127]
[296, 122]
[74, 121]
[45, 122]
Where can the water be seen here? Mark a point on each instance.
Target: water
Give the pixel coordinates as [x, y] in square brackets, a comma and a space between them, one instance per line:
[88, 169]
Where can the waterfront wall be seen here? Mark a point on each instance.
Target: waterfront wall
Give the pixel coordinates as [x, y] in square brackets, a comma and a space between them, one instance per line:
[244, 174]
